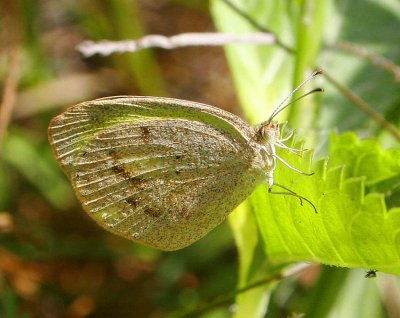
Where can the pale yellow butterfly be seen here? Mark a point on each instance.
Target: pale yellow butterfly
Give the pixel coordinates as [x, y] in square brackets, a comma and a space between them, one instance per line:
[162, 171]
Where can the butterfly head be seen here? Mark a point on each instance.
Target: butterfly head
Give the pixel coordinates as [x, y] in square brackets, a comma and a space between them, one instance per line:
[268, 133]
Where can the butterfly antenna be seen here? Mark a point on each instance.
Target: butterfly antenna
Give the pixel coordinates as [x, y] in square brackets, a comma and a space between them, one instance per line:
[283, 104]
[315, 90]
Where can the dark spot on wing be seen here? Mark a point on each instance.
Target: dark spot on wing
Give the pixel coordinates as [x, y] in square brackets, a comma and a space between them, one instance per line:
[137, 179]
[152, 212]
[184, 213]
[145, 135]
[177, 157]
[113, 154]
[119, 169]
[133, 202]
[137, 183]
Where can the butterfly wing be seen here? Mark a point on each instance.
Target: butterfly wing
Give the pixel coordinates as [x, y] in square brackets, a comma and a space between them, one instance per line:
[159, 171]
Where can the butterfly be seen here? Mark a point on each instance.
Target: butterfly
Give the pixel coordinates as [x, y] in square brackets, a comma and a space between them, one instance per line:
[161, 171]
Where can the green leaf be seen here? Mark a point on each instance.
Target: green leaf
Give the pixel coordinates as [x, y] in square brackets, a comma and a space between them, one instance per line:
[309, 28]
[364, 159]
[371, 25]
[251, 262]
[262, 74]
[351, 229]
[9, 304]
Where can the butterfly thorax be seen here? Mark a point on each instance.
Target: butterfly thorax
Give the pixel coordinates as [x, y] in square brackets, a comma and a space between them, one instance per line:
[267, 135]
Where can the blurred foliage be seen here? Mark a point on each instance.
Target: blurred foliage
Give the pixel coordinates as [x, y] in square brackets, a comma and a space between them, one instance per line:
[55, 262]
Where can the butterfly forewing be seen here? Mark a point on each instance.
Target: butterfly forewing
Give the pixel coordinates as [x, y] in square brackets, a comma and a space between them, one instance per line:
[163, 172]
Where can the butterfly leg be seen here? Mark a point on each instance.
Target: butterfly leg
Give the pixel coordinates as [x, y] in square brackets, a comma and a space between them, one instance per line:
[288, 136]
[291, 167]
[292, 193]
[292, 150]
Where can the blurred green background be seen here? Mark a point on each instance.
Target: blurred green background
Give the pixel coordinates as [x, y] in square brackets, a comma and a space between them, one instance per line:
[56, 262]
